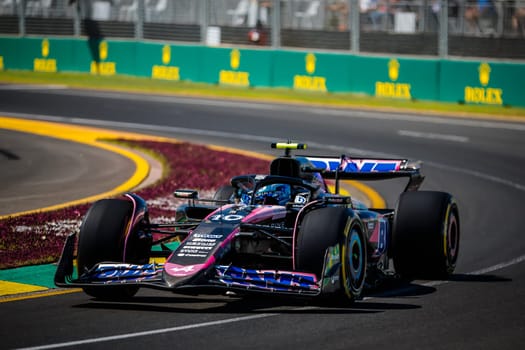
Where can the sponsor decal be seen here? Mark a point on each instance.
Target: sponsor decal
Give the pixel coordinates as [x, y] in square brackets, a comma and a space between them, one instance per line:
[484, 94]
[126, 271]
[233, 76]
[198, 245]
[309, 81]
[382, 243]
[355, 165]
[165, 71]
[266, 279]
[44, 64]
[393, 88]
[103, 67]
[178, 269]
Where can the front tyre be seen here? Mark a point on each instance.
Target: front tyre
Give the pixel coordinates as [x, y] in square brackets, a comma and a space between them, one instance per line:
[353, 261]
[425, 239]
[102, 239]
[333, 227]
[320, 229]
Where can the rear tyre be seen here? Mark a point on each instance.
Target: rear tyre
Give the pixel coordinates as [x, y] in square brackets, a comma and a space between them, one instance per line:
[425, 239]
[102, 238]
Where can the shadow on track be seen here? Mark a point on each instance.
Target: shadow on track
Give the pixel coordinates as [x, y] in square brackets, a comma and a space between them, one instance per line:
[245, 304]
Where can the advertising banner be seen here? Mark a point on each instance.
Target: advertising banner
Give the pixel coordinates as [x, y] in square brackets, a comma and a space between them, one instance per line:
[483, 83]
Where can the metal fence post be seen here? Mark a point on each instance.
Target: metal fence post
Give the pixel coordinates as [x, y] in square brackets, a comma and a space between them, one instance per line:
[76, 18]
[21, 17]
[203, 20]
[355, 25]
[139, 24]
[276, 24]
[443, 29]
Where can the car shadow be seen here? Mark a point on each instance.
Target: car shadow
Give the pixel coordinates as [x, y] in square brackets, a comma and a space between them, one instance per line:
[478, 278]
[245, 304]
[372, 301]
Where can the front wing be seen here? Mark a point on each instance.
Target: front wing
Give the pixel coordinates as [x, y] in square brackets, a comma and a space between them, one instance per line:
[215, 279]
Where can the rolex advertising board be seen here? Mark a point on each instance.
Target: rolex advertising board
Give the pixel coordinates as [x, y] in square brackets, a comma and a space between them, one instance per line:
[483, 83]
[169, 62]
[394, 77]
[236, 67]
[311, 71]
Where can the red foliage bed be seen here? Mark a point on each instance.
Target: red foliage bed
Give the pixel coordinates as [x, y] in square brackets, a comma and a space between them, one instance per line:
[38, 238]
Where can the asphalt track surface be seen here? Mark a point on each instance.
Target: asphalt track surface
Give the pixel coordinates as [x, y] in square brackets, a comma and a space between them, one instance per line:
[480, 161]
[40, 171]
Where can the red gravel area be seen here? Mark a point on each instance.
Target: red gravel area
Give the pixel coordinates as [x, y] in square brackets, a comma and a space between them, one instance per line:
[38, 238]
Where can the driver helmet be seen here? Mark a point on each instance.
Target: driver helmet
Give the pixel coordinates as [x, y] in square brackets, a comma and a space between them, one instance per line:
[277, 194]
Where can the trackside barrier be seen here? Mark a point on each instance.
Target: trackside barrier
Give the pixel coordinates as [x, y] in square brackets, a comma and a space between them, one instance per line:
[490, 83]
[461, 81]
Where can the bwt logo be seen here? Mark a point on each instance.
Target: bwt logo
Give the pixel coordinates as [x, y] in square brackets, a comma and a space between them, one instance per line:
[356, 166]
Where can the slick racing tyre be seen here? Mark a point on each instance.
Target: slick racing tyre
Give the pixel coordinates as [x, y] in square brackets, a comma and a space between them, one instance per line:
[425, 239]
[353, 261]
[327, 227]
[102, 239]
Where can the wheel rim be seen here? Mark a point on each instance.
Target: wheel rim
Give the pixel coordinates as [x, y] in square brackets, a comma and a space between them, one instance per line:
[452, 240]
[354, 264]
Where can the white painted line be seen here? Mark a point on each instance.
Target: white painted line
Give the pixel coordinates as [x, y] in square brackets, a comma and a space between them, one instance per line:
[257, 105]
[269, 139]
[148, 333]
[32, 87]
[478, 174]
[478, 123]
[391, 293]
[499, 266]
[433, 136]
[394, 292]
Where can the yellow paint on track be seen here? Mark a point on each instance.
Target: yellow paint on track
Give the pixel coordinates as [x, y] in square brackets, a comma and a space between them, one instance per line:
[90, 136]
[376, 201]
[7, 288]
[44, 293]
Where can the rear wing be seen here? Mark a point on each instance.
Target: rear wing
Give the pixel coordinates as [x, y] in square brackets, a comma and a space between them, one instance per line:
[346, 168]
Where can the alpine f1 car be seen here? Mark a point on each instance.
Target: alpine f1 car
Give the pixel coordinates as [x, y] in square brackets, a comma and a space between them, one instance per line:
[287, 232]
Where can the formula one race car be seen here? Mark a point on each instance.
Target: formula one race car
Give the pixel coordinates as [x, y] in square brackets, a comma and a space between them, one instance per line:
[281, 233]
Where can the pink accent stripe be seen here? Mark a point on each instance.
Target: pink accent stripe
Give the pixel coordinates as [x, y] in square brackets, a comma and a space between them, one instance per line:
[132, 219]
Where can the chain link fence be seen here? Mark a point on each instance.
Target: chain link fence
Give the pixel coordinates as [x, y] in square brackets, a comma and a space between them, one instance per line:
[481, 28]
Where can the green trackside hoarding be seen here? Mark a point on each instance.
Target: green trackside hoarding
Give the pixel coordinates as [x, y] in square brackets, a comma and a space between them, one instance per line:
[236, 67]
[394, 77]
[312, 71]
[169, 62]
[462, 81]
[37, 54]
[479, 82]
